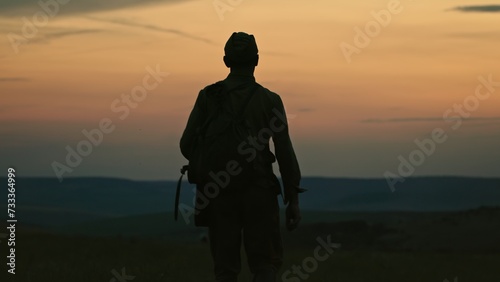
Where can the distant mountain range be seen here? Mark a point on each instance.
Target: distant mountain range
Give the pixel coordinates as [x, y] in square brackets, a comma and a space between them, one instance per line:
[45, 202]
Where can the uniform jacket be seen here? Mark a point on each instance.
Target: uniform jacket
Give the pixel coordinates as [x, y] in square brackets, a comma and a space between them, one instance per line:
[266, 117]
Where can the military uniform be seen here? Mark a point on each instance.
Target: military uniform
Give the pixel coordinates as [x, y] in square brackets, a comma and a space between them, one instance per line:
[248, 212]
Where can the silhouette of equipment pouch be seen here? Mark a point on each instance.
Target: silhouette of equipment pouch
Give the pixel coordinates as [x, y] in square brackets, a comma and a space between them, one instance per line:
[201, 209]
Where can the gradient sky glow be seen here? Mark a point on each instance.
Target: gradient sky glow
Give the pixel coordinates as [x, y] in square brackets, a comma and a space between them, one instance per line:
[346, 119]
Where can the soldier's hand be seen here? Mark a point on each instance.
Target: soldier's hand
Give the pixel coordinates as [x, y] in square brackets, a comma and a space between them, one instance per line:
[292, 216]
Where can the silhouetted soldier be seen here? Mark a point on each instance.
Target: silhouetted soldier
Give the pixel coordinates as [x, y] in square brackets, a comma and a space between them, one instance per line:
[248, 210]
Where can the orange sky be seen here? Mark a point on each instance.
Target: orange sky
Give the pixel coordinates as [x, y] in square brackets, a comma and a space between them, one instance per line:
[346, 119]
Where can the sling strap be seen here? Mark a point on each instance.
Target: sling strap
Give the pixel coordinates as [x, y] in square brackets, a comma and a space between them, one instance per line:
[177, 192]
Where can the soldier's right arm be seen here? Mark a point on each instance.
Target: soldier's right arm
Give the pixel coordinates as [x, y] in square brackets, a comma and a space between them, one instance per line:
[285, 154]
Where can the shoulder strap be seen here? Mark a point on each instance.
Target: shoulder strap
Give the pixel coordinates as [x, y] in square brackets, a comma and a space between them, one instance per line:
[247, 100]
[204, 126]
[212, 90]
[225, 91]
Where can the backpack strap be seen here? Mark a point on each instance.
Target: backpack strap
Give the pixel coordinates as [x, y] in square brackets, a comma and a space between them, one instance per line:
[203, 128]
[212, 90]
[247, 100]
[224, 91]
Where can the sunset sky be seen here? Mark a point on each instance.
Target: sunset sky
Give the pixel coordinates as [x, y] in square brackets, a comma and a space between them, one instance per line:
[349, 117]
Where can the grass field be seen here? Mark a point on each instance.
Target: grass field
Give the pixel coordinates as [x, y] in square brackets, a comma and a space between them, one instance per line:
[44, 257]
[385, 247]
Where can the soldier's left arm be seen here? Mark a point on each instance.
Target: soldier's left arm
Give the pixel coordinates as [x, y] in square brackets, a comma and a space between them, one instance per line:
[194, 123]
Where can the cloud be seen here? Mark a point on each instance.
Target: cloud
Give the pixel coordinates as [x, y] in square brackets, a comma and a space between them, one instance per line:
[13, 79]
[277, 54]
[424, 119]
[125, 22]
[10, 8]
[478, 9]
[56, 35]
[6, 108]
[474, 35]
[305, 110]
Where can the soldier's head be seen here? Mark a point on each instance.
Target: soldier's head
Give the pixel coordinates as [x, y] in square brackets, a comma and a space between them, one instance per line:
[241, 51]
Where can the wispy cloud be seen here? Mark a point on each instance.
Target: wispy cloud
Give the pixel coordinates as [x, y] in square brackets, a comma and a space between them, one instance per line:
[424, 119]
[10, 8]
[305, 110]
[125, 22]
[60, 34]
[13, 79]
[277, 54]
[6, 108]
[474, 35]
[478, 9]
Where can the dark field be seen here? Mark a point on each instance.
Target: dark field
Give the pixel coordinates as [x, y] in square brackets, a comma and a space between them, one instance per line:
[381, 247]
[48, 258]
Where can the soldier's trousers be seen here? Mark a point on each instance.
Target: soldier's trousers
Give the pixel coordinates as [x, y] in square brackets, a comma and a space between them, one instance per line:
[249, 215]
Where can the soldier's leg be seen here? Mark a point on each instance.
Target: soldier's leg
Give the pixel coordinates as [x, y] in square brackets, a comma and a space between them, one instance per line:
[225, 236]
[261, 234]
